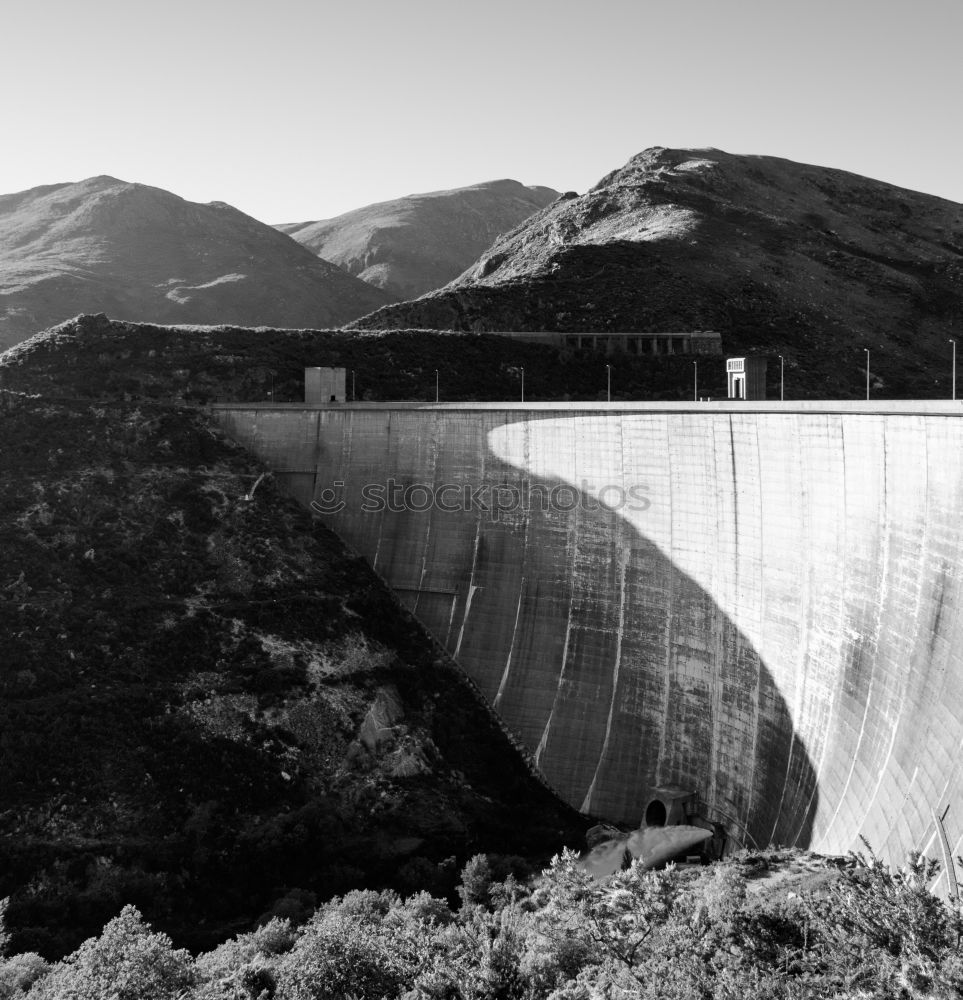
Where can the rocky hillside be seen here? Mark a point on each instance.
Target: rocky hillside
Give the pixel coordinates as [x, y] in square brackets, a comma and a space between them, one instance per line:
[414, 244]
[145, 254]
[209, 708]
[782, 258]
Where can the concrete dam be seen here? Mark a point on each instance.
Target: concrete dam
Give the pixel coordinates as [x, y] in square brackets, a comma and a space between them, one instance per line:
[757, 602]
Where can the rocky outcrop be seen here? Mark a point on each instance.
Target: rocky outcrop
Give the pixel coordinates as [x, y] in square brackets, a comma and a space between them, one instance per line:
[142, 253]
[385, 712]
[411, 245]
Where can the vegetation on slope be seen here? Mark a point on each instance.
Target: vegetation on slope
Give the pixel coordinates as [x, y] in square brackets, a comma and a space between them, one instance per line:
[210, 364]
[110, 359]
[209, 708]
[862, 931]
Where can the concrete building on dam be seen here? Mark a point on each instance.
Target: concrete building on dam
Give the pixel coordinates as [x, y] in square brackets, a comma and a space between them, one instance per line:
[757, 603]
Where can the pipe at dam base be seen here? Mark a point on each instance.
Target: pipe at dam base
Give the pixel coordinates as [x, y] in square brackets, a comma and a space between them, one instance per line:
[760, 602]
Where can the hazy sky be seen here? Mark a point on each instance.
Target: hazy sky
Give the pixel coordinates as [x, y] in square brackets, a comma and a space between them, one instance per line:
[293, 110]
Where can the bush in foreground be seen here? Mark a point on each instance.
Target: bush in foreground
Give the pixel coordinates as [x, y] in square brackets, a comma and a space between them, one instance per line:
[665, 935]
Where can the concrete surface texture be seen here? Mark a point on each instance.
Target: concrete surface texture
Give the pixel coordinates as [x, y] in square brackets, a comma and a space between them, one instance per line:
[758, 603]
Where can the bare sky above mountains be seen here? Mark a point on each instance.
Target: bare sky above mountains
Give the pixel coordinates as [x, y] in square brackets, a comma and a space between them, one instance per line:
[302, 109]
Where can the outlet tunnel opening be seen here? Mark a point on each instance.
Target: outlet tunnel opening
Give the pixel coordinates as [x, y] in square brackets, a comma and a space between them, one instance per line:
[655, 813]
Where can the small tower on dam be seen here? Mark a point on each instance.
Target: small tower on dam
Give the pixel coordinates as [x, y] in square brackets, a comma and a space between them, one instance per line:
[324, 385]
[746, 378]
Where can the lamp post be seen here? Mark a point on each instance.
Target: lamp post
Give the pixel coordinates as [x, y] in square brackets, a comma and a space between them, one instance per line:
[866, 349]
[523, 385]
[436, 385]
[695, 382]
[953, 342]
[608, 372]
[354, 397]
[782, 379]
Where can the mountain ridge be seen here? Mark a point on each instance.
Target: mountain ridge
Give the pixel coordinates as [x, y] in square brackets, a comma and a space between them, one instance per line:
[412, 244]
[102, 244]
[780, 257]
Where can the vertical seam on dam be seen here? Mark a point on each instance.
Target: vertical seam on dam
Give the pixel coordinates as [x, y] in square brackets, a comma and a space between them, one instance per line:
[385, 464]
[471, 587]
[511, 648]
[433, 480]
[812, 597]
[717, 646]
[790, 757]
[884, 575]
[735, 505]
[623, 558]
[917, 618]
[521, 589]
[667, 660]
[571, 544]
[758, 684]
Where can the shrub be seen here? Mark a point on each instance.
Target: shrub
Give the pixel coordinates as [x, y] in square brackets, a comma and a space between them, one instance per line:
[128, 961]
[245, 963]
[476, 881]
[338, 957]
[886, 927]
[363, 905]
[18, 974]
[423, 908]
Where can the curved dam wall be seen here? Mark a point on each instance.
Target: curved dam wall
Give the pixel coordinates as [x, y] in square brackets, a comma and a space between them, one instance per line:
[761, 604]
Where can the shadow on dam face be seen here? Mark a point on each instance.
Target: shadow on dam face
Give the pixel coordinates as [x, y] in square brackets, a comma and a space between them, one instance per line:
[616, 668]
[773, 623]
